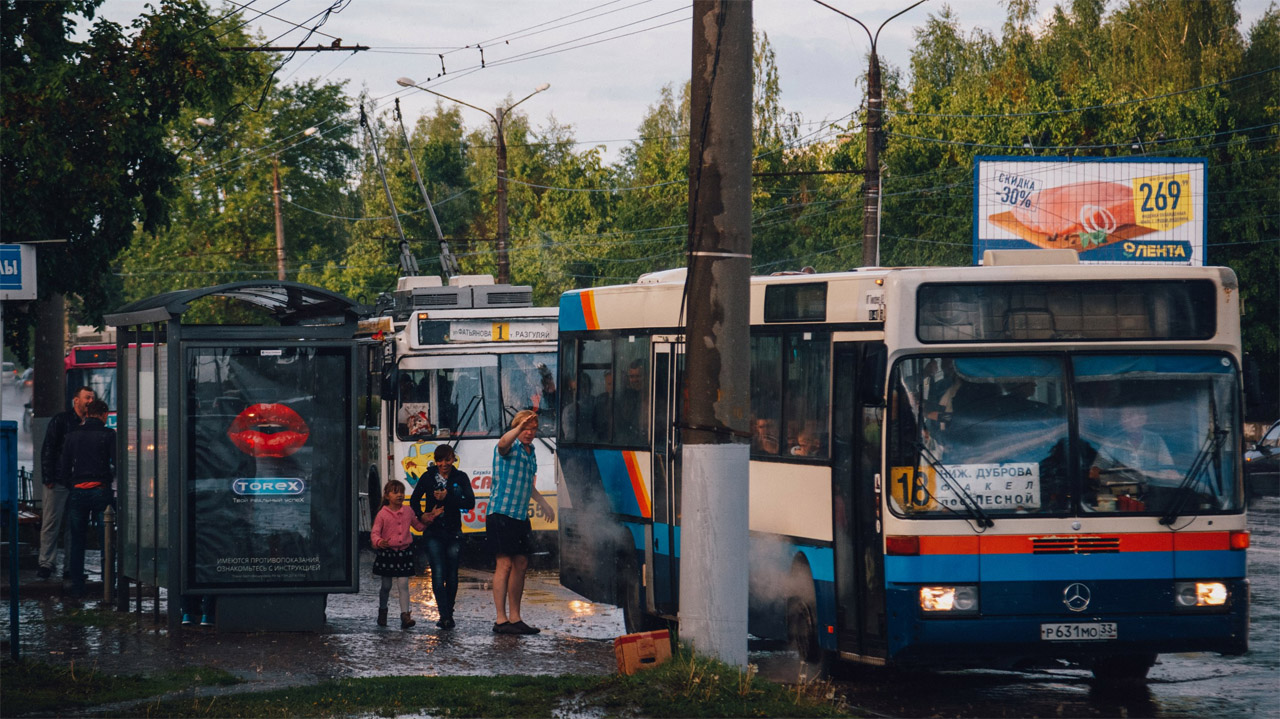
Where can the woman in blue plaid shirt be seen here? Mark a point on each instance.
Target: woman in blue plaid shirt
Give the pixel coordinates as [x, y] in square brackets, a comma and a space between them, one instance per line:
[507, 526]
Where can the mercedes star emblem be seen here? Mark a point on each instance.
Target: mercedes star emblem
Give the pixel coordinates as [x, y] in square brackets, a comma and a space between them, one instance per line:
[1076, 597]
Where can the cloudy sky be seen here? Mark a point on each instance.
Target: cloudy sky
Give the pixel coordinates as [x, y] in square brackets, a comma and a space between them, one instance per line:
[606, 60]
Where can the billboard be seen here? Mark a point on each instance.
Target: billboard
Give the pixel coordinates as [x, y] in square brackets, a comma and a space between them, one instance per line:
[1109, 210]
[268, 460]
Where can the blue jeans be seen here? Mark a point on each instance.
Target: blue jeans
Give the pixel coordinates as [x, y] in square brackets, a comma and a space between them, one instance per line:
[443, 552]
[81, 506]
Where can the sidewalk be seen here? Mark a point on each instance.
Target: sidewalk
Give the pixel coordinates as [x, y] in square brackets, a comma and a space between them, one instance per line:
[576, 636]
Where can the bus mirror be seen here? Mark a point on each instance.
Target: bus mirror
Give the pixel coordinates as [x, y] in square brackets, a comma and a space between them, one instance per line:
[871, 375]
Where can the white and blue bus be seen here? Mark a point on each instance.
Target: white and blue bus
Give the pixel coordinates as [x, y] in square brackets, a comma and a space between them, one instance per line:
[452, 364]
[1009, 465]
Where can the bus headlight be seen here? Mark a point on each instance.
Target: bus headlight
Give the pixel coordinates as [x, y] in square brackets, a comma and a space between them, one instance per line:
[1201, 594]
[961, 599]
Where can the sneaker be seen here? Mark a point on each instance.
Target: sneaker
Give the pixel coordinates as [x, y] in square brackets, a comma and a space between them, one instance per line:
[504, 628]
[44, 572]
[448, 623]
[206, 621]
[521, 628]
[187, 620]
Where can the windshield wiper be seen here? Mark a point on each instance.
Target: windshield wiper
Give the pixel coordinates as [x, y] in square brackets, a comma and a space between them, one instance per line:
[966, 499]
[468, 413]
[1212, 445]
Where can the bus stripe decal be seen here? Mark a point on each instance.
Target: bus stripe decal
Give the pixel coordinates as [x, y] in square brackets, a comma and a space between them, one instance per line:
[1208, 565]
[637, 483]
[618, 476]
[1127, 543]
[589, 310]
[571, 315]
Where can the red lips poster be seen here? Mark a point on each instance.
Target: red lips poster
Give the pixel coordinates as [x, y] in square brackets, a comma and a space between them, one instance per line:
[268, 430]
[269, 494]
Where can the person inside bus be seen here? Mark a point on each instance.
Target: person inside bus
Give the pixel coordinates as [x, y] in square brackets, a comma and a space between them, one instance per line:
[603, 410]
[633, 404]
[764, 436]
[1129, 459]
[578, 415]
[808, 443]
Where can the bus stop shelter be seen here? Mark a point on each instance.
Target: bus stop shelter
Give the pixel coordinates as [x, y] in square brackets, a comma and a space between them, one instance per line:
[236, 452]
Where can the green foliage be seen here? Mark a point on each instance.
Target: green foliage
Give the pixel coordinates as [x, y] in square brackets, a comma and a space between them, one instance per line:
[224, 228]
[32, 687]
[194, 205]
[85, 150]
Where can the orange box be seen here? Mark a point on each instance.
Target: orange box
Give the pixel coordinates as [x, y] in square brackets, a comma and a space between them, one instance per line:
[642, 651]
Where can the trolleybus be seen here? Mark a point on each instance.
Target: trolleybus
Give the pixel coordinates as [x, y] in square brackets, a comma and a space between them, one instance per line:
[452, 364]
[1009, 465]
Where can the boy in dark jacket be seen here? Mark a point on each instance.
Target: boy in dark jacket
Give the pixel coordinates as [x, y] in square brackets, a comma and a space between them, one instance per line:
[88, 464]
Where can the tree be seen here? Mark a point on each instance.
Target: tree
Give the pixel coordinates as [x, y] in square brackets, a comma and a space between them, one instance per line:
[85, 154]
[224, 228]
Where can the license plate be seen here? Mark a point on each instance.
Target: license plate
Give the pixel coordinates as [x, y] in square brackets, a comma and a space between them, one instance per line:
[1078, 632]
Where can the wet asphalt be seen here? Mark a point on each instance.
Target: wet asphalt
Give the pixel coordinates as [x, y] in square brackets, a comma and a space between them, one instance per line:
[577, 635]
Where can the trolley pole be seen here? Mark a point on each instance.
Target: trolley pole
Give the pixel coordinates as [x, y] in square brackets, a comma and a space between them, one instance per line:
[713, 568]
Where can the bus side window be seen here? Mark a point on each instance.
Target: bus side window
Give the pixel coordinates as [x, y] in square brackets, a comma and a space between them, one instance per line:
[766, 394]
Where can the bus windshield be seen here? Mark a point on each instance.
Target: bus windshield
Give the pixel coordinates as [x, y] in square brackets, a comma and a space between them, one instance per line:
[473, 395]
[1156, 435]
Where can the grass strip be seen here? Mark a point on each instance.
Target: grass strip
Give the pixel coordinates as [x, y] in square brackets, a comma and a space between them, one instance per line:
[686, 686]
[32, 687]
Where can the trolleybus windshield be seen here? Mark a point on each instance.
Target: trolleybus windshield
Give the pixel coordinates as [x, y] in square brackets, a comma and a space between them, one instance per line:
[452, 396]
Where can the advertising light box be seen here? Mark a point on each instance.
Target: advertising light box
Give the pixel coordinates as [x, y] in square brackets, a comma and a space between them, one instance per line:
[267, 485]
[1109, 210]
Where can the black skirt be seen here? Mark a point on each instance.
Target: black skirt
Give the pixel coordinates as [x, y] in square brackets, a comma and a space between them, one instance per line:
[394, 563]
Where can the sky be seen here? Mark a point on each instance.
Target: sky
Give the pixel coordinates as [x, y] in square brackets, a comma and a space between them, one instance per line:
[606, 60]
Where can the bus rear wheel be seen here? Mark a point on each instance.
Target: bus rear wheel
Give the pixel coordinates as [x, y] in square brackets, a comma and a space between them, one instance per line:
[1122, 670]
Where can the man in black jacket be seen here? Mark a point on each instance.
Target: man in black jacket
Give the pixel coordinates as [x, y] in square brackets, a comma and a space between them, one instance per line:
[56, 489]
[88, 463]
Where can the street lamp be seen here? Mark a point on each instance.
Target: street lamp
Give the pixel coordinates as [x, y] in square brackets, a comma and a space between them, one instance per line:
[871, 208]
[498, 117]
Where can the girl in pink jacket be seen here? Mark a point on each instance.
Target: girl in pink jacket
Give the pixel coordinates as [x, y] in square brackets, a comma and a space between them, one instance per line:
[391, 538]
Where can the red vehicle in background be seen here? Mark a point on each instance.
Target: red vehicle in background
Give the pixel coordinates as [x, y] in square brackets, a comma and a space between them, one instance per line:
[92, 366]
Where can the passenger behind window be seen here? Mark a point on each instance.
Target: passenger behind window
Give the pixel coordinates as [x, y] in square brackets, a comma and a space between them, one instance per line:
[604, 409]
[1128, 461]
[633, 404]
[808, 444]
[764, 436]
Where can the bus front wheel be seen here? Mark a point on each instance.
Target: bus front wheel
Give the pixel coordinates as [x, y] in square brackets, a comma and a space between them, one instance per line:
[1122, 670]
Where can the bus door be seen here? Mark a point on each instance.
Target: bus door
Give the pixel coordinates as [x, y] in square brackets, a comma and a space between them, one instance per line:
[855, 461]
[663, 547]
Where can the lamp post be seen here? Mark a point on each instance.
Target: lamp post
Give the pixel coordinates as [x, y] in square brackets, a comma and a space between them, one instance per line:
[498, 117]
[875, 109]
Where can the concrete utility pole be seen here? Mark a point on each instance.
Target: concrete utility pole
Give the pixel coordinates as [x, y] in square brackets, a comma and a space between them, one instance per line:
[275, 193]
[713, 551]
[875, 118]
